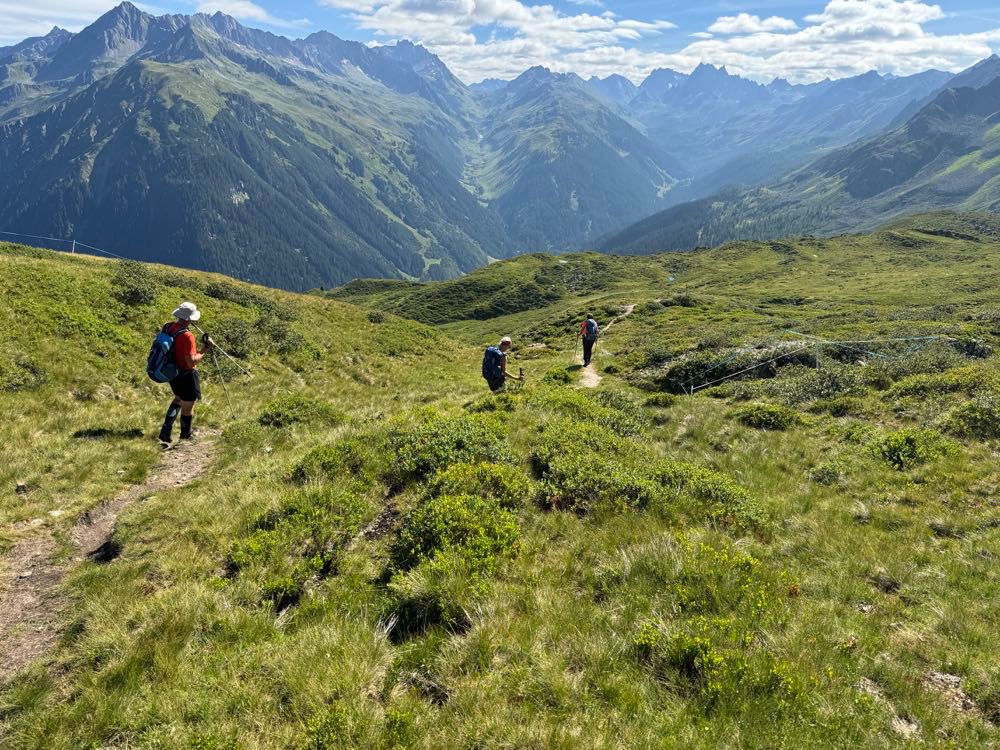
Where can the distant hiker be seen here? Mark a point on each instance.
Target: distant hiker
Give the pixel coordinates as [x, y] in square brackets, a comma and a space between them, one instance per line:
[184, 356]
[495, 365]
[589, 331]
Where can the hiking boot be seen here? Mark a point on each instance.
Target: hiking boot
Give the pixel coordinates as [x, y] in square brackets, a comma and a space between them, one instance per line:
[186, 432]
[165, 438]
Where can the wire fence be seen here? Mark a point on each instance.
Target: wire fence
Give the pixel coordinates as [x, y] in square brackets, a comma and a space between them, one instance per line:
[817, 344]
[70, 246]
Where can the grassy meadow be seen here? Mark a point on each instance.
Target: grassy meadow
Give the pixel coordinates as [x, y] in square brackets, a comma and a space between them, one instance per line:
[385, 556]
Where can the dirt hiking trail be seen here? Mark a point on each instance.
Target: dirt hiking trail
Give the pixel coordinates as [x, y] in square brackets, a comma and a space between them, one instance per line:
[31, 603]
[588, 375]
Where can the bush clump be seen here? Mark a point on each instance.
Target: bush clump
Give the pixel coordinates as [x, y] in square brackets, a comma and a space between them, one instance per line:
[358, 456]
[557, 376]
[21, 375]
[289, 410]
[501, 483]
[909, 447]
[582, 482]
[133, 283]
[767, 416]
[725, 501]
[443, 441]
[478, 529]
[495, 402]
[979, 418]
[376, 316]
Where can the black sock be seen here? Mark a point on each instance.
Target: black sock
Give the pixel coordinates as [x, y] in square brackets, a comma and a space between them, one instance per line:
[168, 422]
[185, 427]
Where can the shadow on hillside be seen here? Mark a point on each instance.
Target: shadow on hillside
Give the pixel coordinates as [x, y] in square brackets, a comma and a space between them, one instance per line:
[103, 433]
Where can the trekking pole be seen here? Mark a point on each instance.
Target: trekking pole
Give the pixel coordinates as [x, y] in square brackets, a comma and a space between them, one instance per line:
[576, 346]
[225, 353]
[225, 387]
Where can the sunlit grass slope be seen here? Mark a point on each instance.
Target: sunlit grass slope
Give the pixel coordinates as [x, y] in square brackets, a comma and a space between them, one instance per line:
[384, 557]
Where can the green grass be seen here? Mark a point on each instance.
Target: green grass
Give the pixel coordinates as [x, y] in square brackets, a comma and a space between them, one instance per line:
[557, 567]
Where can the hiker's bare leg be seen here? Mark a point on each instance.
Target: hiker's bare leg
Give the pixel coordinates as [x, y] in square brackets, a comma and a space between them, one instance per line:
[187, 407]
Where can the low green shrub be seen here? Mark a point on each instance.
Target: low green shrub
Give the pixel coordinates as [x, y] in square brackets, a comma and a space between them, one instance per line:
[478, 529]
[376, 316]
[767, 416]
[661, 400]
[133, 284]
[289, 410]
[843, 406]
[358, 456]
[502, 483]
[557, 376]
[442, 441]
[22, 374]
[978, 418]
[244, 297]
[582, 482]
[236, 336]
[579, 440]
[608, 409]
[829, 473]
[909, 447]
[725, 502]
[495, 402]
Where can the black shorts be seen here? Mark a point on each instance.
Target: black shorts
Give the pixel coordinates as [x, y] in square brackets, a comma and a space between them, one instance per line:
[187, 386]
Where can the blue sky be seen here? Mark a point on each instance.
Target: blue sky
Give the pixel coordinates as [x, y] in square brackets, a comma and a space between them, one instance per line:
[801, 41]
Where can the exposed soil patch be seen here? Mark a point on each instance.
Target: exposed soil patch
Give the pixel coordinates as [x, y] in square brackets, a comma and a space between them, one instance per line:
[31, 604]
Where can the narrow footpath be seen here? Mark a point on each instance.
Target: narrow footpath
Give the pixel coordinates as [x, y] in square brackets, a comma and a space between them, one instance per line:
[31, 573]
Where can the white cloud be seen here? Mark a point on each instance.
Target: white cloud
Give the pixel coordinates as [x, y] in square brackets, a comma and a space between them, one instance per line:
[19, 20]
[248, 11]
[848, 37]
[744, 23]
[590, 3]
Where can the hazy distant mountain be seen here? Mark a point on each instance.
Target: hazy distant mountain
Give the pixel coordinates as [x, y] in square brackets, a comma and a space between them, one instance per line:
[615, 89]
[733, 131]
[947, 156]
[488, 85]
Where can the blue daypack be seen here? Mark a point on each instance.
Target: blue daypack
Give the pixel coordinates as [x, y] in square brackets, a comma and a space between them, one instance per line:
[590, 329]
[160, 366]
[493, 366]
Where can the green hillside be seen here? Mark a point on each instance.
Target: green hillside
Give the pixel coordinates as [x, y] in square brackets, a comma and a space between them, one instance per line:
[380, 555]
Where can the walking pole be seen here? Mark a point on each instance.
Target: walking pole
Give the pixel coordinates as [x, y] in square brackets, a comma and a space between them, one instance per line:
[227, 354]
[576, 345]
[225, 387]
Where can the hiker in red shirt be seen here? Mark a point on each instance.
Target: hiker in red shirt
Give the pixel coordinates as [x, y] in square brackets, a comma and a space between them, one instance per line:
[186, 386]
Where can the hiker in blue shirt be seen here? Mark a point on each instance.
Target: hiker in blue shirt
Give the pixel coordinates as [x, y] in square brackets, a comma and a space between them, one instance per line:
[589, 332]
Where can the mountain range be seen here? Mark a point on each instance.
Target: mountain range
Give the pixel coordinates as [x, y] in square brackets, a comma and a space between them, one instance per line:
[944, 154]
[196, 141]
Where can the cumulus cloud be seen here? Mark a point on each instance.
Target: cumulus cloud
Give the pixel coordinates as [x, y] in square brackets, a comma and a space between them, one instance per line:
[501, 38]
[518, 35]
[19, 20]
[744, 23]
[248, 11]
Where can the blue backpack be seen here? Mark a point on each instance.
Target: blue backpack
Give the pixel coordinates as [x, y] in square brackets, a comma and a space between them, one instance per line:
[160, 365]
[590, 330]
[493, 366]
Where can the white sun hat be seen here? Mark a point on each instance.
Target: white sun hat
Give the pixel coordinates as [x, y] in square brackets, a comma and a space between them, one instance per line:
[187, 311]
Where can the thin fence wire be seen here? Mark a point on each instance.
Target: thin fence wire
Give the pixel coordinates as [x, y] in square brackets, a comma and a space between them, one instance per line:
[917, 343]
[72, 243]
